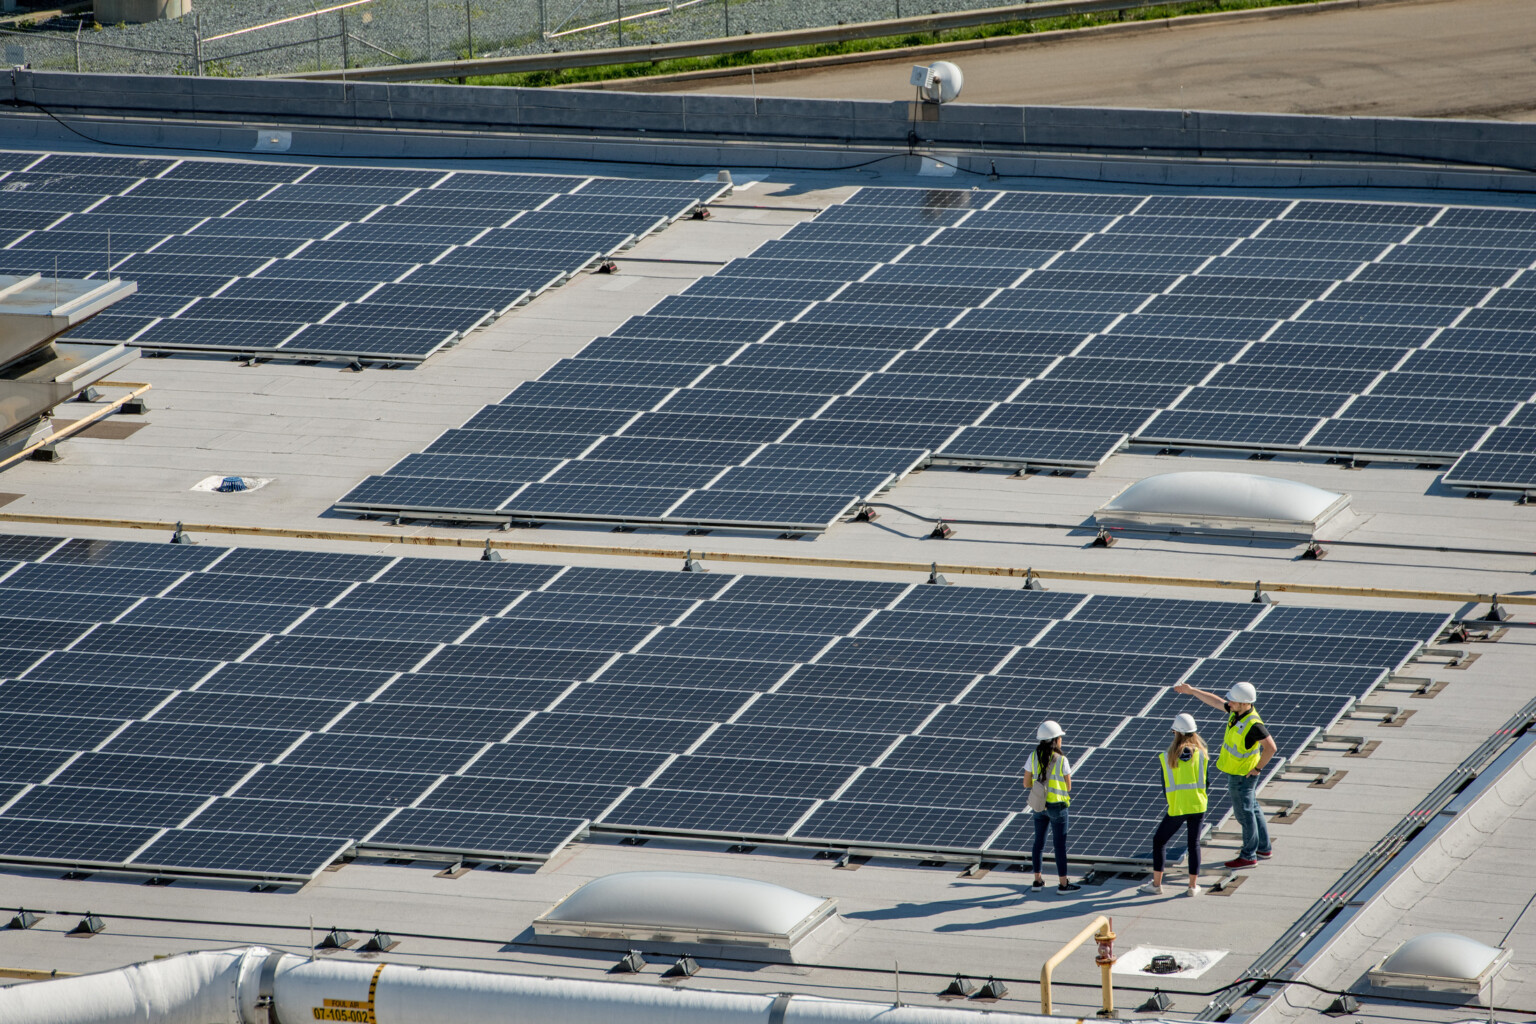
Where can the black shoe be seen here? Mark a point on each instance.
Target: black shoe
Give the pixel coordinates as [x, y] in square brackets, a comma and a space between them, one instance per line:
[1036, 886]
[1069, 887]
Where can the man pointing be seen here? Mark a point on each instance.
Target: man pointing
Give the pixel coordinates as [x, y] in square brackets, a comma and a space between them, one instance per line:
[1246, 748]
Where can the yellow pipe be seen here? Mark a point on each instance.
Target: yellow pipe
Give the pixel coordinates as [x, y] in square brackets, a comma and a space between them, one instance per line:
[1099, 928]
[78, 425]
[29, 974]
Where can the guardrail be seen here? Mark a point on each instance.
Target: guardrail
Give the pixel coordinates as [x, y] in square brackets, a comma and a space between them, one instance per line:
[733, 44]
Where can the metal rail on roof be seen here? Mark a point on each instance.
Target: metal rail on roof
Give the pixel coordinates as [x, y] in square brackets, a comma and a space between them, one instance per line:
[1026, 12]
[811, 561]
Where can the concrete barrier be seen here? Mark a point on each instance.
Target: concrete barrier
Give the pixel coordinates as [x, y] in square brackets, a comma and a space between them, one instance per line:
[1000, 132]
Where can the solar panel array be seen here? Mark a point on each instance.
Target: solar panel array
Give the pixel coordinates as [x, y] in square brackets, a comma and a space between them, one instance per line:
[1015, 329]
[319, 262]
[258, 712]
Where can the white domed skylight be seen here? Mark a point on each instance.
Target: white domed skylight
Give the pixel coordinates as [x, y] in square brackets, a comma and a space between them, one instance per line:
[1224, 503]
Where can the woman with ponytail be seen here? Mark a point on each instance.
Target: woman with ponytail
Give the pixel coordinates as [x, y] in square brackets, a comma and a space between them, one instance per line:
[1049, 779]
[1184, 766]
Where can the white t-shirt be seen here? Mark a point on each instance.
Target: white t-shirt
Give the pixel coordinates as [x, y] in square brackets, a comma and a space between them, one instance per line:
[1034, 764]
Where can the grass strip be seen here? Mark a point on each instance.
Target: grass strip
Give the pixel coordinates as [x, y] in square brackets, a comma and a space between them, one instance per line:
[748, 57]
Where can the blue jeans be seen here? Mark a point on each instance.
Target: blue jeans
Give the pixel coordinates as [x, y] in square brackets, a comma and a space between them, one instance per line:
[1054, 817]
[1245, 805]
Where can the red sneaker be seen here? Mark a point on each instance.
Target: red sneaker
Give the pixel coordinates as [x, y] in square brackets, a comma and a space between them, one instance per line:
[1241, 862]
[1265, 856]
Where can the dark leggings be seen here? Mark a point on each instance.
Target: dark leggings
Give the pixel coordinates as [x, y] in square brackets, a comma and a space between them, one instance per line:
[1168, 828]
[1053, 817]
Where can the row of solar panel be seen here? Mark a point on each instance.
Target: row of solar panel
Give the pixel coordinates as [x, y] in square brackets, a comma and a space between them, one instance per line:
[833, 347]
[517, 752]
[310, 238]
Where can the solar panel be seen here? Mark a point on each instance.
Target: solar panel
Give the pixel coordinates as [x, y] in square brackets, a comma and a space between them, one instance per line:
[1176, 426]
[1498, 470]
[530, 702]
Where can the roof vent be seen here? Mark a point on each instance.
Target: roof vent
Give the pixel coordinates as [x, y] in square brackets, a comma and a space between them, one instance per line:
[1440, 962]
[682, 908]
[1239, 504]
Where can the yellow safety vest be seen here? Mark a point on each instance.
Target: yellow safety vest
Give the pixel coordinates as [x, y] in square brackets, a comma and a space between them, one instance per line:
[1056, 791]
[1184, 783]
[1235, 758]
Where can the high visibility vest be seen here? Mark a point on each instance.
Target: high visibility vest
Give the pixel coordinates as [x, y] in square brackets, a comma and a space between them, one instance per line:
[1184, 783]
[1235, 758]
[1056, 791]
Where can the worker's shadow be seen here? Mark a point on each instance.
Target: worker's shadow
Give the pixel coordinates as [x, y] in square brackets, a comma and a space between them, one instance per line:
[1008, 896]
[1050, 905]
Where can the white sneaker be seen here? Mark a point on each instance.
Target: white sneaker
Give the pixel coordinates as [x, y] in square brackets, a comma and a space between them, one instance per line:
[1196, 891]
[1151, 889]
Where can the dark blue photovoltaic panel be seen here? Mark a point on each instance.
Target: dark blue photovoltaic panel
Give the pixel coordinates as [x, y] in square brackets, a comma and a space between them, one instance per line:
[241, 852]
[1493, 469]
[661, 670]
[1385, 436]
[1326, 650]
[1176, 426]
[695, 811]
[109, 806]
[930, 626]
[452, 666]
[519, 760]
[1121, 637]
[71, 842]
[953, 657]
[893, 825]
[1421, 626]
[1062, 447]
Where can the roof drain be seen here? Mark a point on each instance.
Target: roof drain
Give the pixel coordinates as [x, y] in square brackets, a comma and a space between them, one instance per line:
[1225, 504]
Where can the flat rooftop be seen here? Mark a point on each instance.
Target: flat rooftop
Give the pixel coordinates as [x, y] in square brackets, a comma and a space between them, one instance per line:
[312, 432]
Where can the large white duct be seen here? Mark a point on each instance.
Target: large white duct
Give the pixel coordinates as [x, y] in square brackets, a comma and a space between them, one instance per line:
[195, 988]
[231, 986]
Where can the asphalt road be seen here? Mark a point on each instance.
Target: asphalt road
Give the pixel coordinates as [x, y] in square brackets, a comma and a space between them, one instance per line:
[1431, 58]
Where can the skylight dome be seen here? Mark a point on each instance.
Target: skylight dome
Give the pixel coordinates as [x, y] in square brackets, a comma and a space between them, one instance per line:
[1224, 503]
[1440, 961]
[686, 907]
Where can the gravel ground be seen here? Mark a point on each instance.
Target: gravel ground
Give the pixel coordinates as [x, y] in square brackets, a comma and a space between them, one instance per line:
[392, 31]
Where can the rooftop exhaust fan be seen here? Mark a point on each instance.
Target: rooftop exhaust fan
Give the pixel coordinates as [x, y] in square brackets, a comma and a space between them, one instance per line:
[1230, 504]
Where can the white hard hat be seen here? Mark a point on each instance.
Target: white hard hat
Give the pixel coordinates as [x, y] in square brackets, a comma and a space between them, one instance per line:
[1185, 723]
[1048, 730]
[1243, 693]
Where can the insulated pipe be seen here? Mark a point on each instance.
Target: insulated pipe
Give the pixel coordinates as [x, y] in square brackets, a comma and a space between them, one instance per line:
[233, 987]
[193, 988]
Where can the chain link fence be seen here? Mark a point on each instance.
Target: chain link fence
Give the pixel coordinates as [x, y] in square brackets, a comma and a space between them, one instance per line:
[266, 37]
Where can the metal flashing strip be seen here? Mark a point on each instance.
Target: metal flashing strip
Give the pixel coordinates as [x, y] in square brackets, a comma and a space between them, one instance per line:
[859, 564]
[1290, 954]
